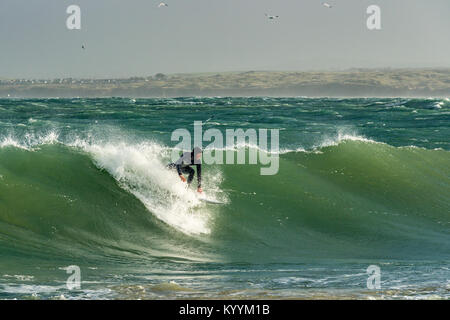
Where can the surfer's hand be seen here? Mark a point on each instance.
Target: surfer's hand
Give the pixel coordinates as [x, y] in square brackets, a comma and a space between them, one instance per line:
[199, 190]
[183, 178]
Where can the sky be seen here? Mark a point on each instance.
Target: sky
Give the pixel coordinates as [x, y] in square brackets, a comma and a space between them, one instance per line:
[136, 38]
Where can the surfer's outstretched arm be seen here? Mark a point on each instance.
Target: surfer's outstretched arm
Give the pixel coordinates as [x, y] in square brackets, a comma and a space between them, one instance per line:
[199, 177]
[180, 173]
[179, 166]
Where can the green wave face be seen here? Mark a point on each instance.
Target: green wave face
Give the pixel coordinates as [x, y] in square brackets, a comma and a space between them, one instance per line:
[56, 204]
[355, 200]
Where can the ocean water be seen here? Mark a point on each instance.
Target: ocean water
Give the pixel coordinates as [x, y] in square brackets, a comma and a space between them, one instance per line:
[361, 182]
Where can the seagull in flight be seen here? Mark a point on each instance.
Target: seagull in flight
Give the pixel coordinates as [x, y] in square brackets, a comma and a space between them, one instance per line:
[325, 4]
[272, 17]
[162, 4]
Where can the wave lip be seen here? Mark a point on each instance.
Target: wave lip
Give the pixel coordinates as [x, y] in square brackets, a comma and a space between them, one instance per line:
[30, 141]
[343, 136]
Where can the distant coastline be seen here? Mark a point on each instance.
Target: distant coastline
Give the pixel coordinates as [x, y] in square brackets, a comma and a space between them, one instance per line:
[351, 83]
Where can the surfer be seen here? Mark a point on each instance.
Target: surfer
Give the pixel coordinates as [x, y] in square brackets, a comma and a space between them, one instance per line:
[183, 165]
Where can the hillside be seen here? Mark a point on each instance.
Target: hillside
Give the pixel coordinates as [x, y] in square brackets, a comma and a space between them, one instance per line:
[354, 83]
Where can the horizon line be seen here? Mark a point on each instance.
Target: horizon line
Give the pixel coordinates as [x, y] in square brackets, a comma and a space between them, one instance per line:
[352, 69]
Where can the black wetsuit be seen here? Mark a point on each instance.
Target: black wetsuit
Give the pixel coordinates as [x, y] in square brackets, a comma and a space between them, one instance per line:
[183, 165]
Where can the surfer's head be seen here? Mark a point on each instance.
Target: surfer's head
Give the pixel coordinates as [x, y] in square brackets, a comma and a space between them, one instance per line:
[196, 154]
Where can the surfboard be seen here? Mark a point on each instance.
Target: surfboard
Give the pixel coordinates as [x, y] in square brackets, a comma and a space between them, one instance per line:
[211, 201]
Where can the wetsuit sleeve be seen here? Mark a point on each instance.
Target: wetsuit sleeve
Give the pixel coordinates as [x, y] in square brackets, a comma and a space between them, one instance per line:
[199, 175]
[178, 169]
[178, 164]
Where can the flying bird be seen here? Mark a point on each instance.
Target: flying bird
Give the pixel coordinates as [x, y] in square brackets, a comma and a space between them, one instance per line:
[325, 4]
[162, 4]
[271, 17]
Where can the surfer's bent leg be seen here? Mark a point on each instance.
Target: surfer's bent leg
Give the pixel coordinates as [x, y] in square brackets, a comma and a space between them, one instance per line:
[191, 174]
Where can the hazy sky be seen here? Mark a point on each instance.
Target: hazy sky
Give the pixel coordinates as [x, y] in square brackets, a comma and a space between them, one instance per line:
[136, 38]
